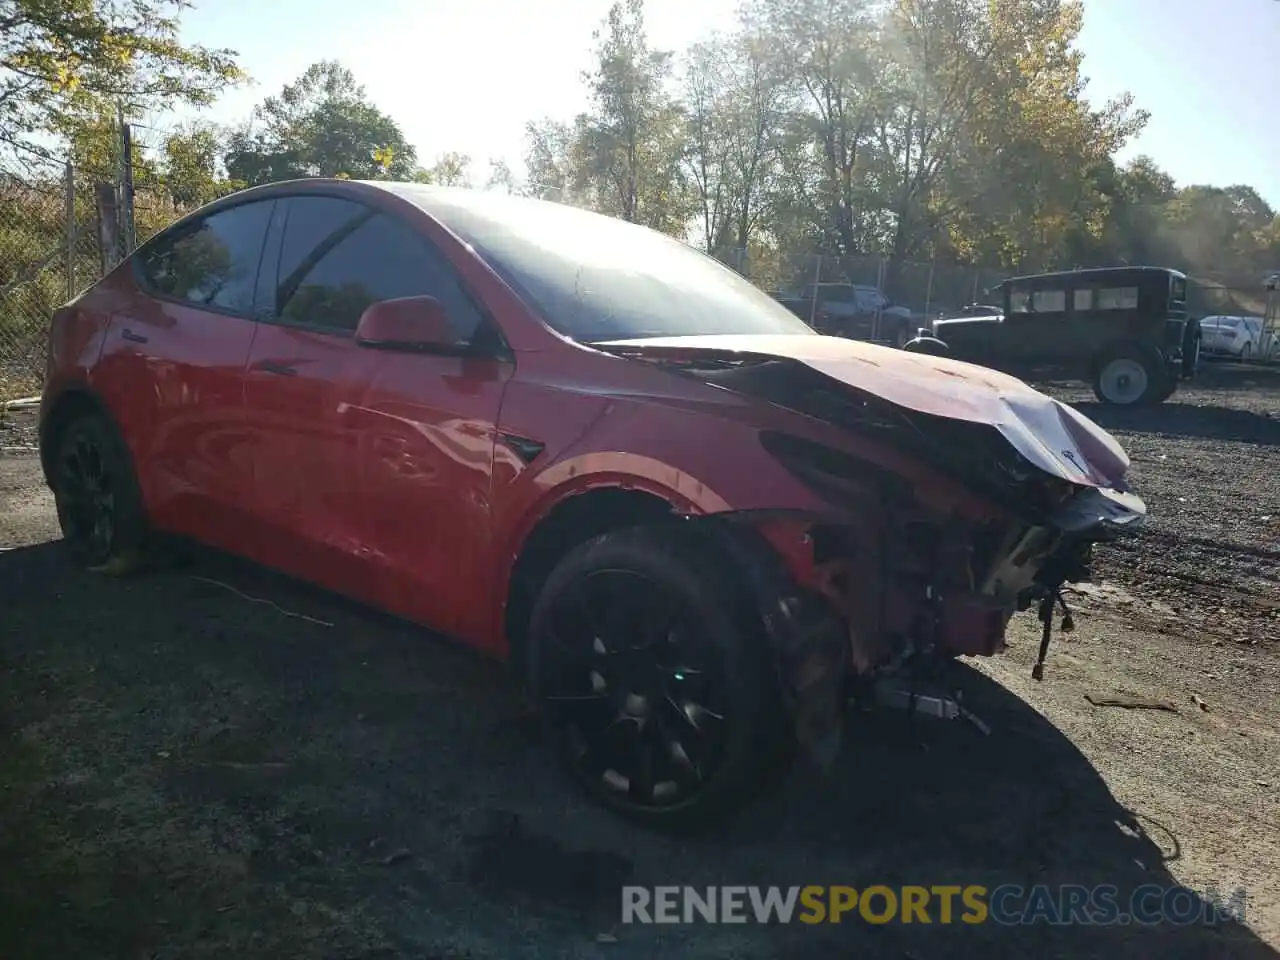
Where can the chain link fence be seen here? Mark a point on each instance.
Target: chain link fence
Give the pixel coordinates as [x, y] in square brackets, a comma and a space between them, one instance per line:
[1227, 296]
[49, 252]
[924, 288]
[929, 289]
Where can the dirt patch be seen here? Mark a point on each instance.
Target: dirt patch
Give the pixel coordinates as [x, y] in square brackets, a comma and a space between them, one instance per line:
[18, 430]
[1206, 465]
[186, 773]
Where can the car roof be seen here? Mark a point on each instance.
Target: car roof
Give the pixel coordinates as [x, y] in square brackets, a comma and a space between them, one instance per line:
[1100, 273]
[427, 197]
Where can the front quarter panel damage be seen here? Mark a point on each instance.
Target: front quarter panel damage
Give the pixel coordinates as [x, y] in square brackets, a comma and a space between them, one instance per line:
[809, 644]
[872, 538]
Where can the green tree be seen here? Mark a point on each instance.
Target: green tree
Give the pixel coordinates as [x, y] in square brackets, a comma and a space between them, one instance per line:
[823, 50]
[60, 61]
[733, 104]
[623, 155]
[550, 162]
[321, 125]
[1137, 198]
[1021, 188]
[191, 166]
[631, 141]
[501, 179]
[450, 170]
[1220, 230]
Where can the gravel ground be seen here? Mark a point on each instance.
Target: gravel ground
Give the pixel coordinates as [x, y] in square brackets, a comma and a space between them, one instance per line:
[189, 773]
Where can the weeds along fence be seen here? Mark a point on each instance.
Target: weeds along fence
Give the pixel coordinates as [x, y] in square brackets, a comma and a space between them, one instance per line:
[62, 226]
[48, 252]
[51, 248]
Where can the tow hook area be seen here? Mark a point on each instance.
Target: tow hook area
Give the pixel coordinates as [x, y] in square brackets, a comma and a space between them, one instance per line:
[1045, 614]
[891, 693]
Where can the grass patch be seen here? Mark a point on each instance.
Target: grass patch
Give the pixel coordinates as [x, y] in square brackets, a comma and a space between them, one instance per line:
[100, 860]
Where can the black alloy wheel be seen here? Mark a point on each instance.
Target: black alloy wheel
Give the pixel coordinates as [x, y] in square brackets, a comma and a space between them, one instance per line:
[658, 696]
[97, 498]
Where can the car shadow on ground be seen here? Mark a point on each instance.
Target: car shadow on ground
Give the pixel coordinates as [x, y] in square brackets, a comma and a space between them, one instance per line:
[386, 791]
[1224, 373]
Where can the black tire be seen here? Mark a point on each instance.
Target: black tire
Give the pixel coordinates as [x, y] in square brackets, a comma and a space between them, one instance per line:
[1192, 341]
[1246, 353]
[695, 700]
[1130, 375]
[99, 502]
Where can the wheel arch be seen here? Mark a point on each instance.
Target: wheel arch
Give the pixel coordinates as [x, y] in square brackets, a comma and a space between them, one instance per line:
[807, 641]
[74, 401]
[568, 520]
[1109, 350]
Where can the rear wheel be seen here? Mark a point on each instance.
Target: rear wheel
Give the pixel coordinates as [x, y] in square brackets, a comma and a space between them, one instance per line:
[1246, 354]
[659, 694]
[97, 496]
[1128, 376]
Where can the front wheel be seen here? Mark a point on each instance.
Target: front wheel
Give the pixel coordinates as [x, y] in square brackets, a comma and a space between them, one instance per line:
[659, 693]
[1128, 376]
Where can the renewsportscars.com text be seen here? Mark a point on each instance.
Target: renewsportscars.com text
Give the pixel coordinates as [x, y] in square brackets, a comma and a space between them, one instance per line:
[1007, 905]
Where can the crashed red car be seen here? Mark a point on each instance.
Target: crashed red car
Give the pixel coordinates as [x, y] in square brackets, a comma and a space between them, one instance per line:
[692, 523]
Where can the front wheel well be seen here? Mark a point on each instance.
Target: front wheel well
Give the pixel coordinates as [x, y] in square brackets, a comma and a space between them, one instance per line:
[571, 522]
[69, 407]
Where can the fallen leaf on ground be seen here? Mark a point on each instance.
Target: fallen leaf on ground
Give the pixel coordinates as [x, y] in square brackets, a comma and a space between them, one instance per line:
[1129, 702]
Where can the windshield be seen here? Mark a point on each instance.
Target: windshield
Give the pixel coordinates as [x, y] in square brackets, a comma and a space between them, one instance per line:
[594, 278]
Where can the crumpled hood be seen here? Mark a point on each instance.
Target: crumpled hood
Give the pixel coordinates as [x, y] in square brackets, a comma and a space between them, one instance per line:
[1050, 434]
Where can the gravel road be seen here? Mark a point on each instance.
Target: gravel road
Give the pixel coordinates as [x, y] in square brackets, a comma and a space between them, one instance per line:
[190, 772]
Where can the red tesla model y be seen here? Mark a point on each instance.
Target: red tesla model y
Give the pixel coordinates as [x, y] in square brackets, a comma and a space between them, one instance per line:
[692, 523]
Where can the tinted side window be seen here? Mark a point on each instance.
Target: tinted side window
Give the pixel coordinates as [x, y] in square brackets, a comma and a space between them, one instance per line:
[1118, 298]
[212, 262]
[1049, 301]
[308, 222]
[361, 260]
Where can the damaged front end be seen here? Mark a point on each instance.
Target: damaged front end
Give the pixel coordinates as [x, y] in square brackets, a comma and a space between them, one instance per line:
[869, 606]
[901, 575]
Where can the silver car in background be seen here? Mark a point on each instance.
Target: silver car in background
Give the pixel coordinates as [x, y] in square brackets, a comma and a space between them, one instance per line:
[1237, 337]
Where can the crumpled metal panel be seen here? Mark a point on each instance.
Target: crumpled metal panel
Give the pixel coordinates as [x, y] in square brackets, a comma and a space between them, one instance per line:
[1050, 434]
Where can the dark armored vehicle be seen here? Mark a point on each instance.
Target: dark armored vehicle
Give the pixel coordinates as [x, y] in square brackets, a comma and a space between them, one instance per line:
[1124, 329]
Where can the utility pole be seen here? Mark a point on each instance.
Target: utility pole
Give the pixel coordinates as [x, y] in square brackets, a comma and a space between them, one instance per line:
[1269, 348]
[69, 213]
[125, 206]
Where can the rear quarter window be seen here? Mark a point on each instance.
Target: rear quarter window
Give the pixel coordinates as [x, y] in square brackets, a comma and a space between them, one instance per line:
[210, 262]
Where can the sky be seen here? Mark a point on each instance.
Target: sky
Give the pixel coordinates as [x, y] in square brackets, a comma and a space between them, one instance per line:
[466, 75]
